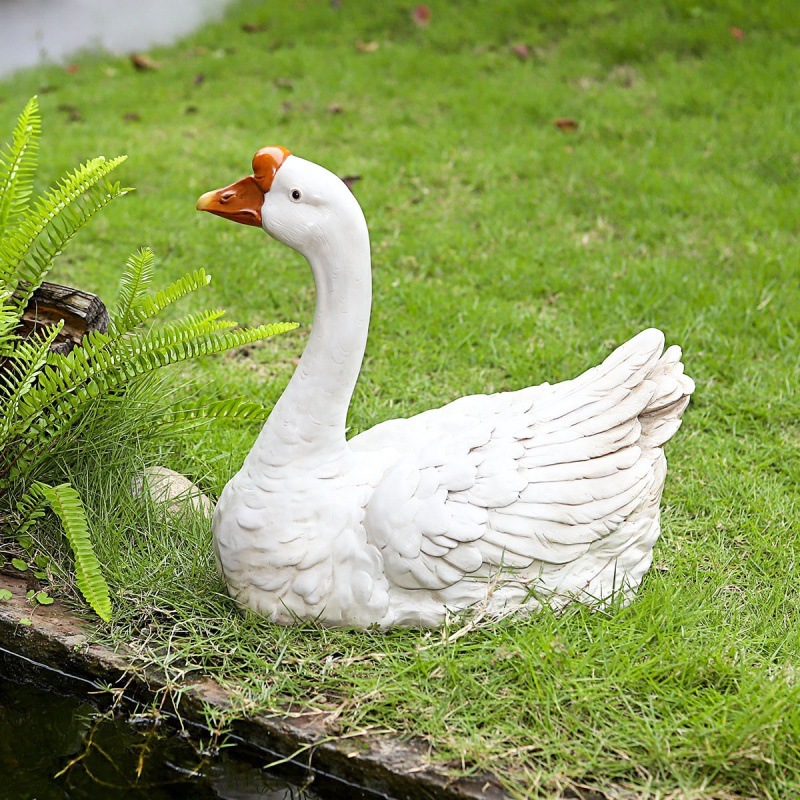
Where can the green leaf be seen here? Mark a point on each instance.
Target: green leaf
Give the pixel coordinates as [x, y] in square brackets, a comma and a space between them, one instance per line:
[19, 564]
[67, 505]
[44, 599]
[48, 399]
[148, 307]
[22, 368]
[230, 408]
[136, 278]
[18, 161]
[5, 594]
[27, 251]
[30, 508]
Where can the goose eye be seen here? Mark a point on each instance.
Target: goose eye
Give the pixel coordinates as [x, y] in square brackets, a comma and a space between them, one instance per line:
[296, 194]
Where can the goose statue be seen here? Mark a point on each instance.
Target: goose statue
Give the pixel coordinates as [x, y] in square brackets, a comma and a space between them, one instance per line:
[498, 503]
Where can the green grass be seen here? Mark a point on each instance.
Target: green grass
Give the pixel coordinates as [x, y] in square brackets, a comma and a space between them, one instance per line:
[506, 252]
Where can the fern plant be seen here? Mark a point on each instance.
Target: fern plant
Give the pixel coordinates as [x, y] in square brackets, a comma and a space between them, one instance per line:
[45, 395]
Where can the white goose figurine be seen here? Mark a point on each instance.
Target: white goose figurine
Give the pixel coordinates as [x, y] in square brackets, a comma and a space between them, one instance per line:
[503, 502]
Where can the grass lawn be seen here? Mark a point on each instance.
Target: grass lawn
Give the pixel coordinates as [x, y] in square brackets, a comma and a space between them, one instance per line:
[507, 251]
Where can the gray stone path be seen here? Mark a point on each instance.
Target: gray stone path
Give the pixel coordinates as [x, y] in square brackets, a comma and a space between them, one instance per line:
[36, 31]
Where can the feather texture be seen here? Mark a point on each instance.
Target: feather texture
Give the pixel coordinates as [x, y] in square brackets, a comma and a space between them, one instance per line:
[545, 494]
[545, 474]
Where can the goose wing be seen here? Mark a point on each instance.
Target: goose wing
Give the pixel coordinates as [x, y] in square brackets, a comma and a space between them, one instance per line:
[536, 475]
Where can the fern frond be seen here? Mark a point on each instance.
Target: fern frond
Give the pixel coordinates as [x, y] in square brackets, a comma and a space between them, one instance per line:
[49, 401]
[65, 388]
[30, 509]
[9, 319]
[18, 162]
[67, 506]
[20, 372]
[148, 307]
[135, 280]
[28, 250]
[192, 326]
[157, 351]
[231, 408]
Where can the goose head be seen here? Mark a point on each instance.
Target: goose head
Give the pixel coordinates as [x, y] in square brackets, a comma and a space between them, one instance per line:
[297, 202]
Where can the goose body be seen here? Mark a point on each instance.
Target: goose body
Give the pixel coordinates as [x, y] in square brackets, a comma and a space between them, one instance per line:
[548, 494]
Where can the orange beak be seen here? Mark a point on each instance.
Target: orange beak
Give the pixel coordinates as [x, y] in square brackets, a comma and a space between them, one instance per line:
[242, 201]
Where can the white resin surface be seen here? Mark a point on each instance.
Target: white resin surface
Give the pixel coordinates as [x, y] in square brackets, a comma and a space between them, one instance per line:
[548, 494]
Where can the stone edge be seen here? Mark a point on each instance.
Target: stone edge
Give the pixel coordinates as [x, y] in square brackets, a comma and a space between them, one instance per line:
[59, 638]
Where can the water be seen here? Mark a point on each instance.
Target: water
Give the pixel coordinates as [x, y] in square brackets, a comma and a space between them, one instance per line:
[55, 745]
[36, 31]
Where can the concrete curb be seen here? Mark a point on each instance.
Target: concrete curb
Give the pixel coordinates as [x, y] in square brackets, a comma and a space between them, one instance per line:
[58, 638]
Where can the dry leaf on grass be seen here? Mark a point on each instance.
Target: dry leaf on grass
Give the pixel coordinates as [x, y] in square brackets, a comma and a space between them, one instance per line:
[143, 62]
[421, 16]
[566, 124]
[521, 51]
[349, 180]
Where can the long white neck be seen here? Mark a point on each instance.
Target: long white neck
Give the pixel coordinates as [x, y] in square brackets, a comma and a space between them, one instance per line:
[308, 421]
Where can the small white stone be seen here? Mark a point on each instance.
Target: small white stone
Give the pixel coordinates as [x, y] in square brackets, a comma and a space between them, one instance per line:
[172, 490]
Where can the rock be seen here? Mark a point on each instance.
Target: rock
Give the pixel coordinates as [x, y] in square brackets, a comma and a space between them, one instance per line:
[174, 491]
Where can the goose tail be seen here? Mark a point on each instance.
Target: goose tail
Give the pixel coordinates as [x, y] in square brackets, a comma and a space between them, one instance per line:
[661, 417]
